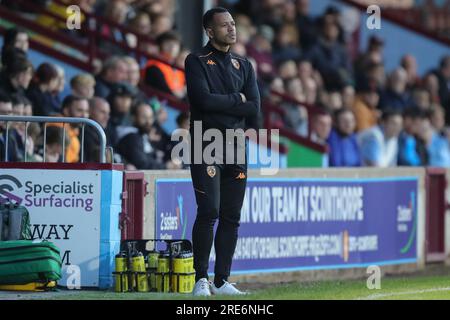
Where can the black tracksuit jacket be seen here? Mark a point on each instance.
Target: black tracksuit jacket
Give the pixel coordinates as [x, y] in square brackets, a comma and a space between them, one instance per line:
[215, 80]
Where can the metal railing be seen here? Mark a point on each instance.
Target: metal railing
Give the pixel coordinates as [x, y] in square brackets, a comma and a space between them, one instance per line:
[57, 120]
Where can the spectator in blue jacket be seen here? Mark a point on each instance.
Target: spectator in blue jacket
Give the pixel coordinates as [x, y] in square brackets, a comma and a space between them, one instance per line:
[408, 151]
[437, 146]
[379, 144]
[344, 150]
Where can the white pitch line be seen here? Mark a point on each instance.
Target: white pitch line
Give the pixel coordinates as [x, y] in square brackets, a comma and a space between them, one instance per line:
[401, 293]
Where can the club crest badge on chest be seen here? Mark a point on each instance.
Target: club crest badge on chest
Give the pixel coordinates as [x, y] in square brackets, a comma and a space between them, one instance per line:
[235, 63]
[211, 170]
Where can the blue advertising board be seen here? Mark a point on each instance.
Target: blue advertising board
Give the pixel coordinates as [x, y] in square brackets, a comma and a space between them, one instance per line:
[292, 224]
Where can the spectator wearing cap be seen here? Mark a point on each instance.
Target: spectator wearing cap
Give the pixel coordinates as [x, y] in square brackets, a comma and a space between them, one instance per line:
[16, 76]
[344, 149]
[137, 147]
[365, 107]
[163, 76]
[120, 100]
[379, 144]
[83, 85]
[114, 71]
[45, 81]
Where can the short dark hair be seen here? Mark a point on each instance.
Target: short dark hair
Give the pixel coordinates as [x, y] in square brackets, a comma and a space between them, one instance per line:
[183, 116]
[45, 73]
[69, 100]
[137, 106]
[414, 113]
[338, 113]
[18, 65]
[208, 17]
[167, 36]
[389, 113]
[54, 135]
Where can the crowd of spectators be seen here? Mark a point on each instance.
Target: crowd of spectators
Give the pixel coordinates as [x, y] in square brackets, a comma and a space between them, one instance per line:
[365, 116]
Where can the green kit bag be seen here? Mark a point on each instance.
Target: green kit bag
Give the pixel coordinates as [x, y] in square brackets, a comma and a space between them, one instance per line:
[14, 222]
[26, 261]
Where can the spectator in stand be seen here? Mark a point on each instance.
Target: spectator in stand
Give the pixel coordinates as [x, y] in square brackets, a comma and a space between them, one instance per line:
[365, 107]
[287, 70]
[372, 56]
[431, 84]
[437, 118]
[286, 44]
[60, 86]
[334, 100]
[120, 100]
[344, 149]
[306, 25]
[114, 71]
[53, 144]
[16, 76]
[22, 107]
[296, 116]
[421, 98]
[184, 52]
[75, 107]
[115, 10]
[161, 138]
[437, 146]
[99, 111]
[83, 85]
[379, 144]
[13, 151]
[396, 95]
[163, 76]
[142, 25]
[137, 148]
[260, 49]
[409, 152]
[15, 42]
[134, 77]
[443, 77]
[161, 24]
[409, 63]
[321, 126]
[348, 97]
[41, 90]
[330, 58]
